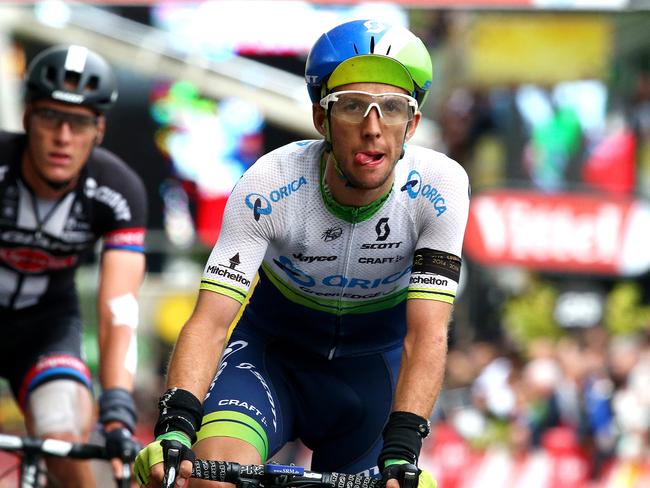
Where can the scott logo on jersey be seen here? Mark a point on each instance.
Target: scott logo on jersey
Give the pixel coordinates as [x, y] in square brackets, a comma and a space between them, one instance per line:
[382, 229]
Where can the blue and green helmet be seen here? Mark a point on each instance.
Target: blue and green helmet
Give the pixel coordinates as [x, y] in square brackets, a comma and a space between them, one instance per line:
[368, 51]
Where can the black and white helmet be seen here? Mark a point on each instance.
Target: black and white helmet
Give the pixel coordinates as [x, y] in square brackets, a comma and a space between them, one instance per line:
[71, 74]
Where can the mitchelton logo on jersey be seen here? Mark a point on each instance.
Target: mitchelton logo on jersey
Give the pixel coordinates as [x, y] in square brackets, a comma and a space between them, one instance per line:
[230, 271]
[569, 232]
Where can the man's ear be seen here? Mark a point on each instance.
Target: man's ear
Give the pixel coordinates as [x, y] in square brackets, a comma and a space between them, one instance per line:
[26, 116]
[319, 118]
[101, 130]
[413, 124]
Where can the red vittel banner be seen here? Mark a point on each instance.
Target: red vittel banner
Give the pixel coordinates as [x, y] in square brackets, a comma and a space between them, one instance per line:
[559, 232]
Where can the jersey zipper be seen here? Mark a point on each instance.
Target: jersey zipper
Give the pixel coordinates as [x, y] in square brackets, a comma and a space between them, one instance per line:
[346, 264]
[16, 293]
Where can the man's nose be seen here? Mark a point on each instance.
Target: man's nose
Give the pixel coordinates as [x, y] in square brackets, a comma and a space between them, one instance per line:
[63, 132]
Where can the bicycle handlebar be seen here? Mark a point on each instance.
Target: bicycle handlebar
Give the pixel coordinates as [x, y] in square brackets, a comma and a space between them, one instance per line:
[277, 475]
[52, 447]
[35, 447]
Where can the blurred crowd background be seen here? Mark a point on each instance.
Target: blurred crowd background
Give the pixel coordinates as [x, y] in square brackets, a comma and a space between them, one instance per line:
[546, 103]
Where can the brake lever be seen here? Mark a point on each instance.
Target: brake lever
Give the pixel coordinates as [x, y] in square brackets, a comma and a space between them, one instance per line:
[172, 466]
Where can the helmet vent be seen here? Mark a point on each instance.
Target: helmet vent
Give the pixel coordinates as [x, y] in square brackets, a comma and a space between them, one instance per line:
[356, 51]
[93, 83]
[72, 79]
[50, 74]
[372, 45]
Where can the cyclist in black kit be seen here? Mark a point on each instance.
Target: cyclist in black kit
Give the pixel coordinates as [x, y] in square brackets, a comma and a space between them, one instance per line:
[59, 194]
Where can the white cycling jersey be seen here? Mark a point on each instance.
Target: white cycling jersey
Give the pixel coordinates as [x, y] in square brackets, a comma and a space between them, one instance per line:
[339, 260]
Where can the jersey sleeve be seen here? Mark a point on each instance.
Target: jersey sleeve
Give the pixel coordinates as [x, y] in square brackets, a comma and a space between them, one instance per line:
[442, 215]
[246, 231]
[122, 191]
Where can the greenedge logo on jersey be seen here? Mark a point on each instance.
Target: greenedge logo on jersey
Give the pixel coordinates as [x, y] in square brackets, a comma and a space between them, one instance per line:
[414, 188]
[261, 204]
[307, 282]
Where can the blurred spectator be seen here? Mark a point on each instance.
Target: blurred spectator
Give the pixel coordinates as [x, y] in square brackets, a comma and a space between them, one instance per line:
[492, 391]
[464, 117]
[539, 411]
[630, 366]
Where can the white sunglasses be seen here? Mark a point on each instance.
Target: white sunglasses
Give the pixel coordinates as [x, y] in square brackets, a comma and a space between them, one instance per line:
[354, 106]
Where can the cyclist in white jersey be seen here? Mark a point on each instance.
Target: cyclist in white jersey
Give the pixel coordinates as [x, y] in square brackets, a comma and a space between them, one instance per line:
[357, 241]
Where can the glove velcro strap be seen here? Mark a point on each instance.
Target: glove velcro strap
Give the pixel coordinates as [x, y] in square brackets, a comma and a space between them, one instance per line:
[390, 462]
[117, 405]
[175, 436]
[180, 410]
[403, 436]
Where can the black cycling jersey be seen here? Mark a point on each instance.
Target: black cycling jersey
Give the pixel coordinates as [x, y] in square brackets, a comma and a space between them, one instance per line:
[40, 250]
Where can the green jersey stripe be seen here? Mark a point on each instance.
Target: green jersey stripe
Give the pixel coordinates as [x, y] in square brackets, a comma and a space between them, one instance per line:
[439, 295]
[215, 286]
[235, 424]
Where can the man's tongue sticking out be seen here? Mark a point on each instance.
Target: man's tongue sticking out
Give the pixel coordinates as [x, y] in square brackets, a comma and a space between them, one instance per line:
[368, 157]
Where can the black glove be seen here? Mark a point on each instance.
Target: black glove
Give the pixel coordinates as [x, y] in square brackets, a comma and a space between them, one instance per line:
[121, 444]
[403, 436]
[406, 474]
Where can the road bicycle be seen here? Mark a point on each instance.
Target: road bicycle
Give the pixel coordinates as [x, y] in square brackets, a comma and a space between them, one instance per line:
[33, 450]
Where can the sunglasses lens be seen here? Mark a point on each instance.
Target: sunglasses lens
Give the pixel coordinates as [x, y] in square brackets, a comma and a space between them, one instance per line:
[53, 119]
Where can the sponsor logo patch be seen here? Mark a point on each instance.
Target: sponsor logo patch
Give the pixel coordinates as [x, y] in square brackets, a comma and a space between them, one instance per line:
[382, 229]
[332, 234]
[261, 204]
[310, 259]
[29, 260]
[381, 245]
[125, 237]
[113, 199]
[335, 281]
[230, 271]
[414, 188]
